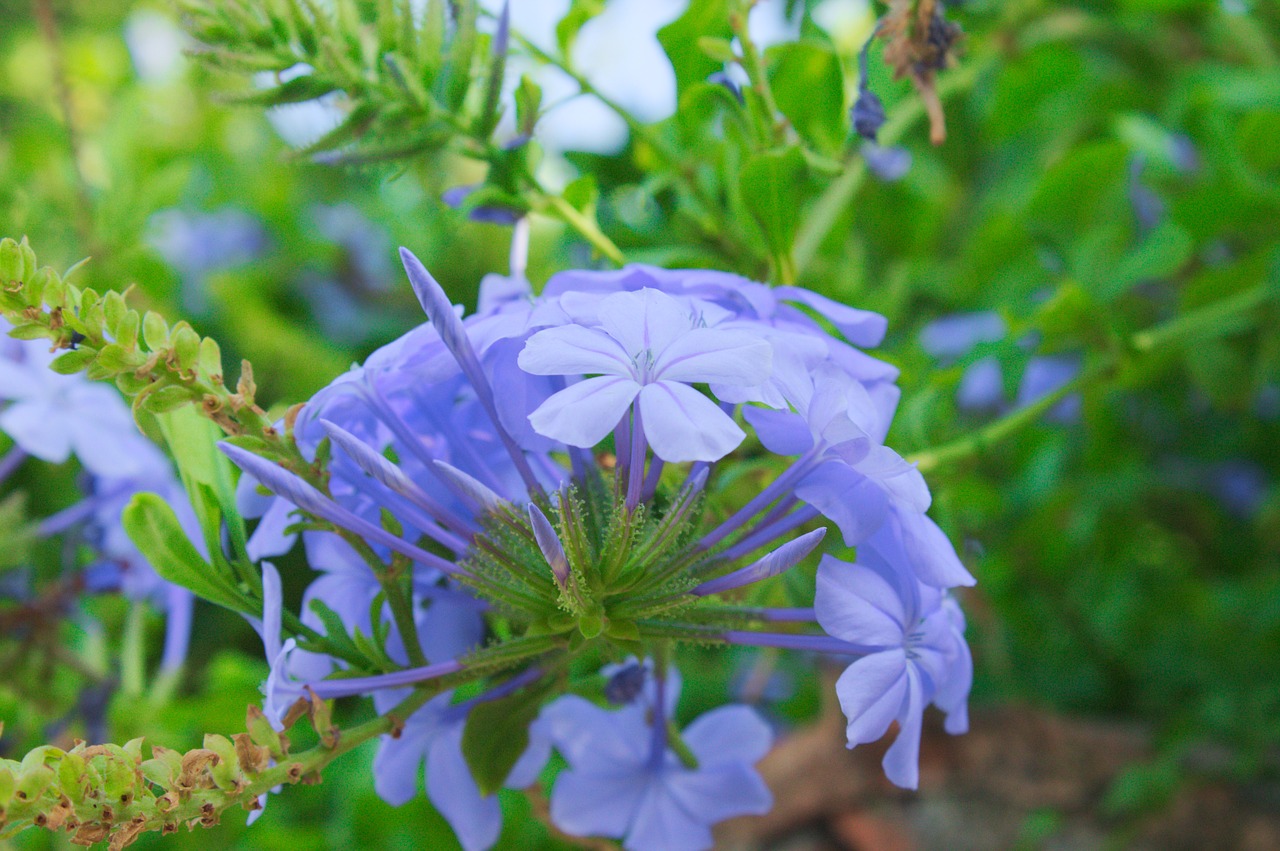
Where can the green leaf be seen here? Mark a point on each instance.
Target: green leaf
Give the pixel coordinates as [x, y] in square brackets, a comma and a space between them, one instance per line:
[808, 86]
[10, 261]
[497, 734]
[528, 97]
[583, 194]
[772, 186]
[580, 11]
[115, 358]
[153, 527]
[719, 49]
[680, 39]
[72, 361]
[155, 331]
[1161, 254]
[206, 474]
[169, 398]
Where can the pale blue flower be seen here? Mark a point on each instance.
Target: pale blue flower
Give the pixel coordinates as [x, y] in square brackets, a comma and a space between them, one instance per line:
[432, 740]
[648, 350]
[625, 782]
[912, 638]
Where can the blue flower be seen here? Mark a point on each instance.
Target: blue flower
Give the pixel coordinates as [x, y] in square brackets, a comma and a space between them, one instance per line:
[52, 416]
[432, 738]
[625, 781]
[648, 350]
[912, 636]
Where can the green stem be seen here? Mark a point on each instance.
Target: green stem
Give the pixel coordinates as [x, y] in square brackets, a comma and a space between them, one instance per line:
[1205, 320]
[399, 602]
[1005, 427]
[133, 652]
[1214, 318]
[771, 127]
[583, 225]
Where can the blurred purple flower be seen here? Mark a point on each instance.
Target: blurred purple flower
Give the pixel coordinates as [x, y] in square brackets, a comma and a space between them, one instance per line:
[432, 739]
[888, 164]
[625, 781]
[457, 197]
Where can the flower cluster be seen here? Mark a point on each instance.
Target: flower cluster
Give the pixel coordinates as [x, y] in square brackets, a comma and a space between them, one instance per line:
[515, 501]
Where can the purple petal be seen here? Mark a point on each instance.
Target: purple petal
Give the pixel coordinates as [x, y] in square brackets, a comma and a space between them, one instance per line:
[597, 804]
[900, 479]
[860, 327]
[436, 304]
[872, 692]
[932, 557]
[40, 429]
[530, 764]
[780, 560]
[729, 734]
[955, 336]
[583, 414]
[781, 432]
[683, 425]
[272, 609]
[349, 686]
[856, 604]
[661, 822]
[981, 386]
[902, 761]
[380, 469]
[269, 538]
[291, 487]
[648, 320]
[888, 163]
[397, 763]
[719, 791]
[588, 735]
[715, 356]
[574, 350]
[476, 819]
[468, 487]
[852, 501]
[549, 543]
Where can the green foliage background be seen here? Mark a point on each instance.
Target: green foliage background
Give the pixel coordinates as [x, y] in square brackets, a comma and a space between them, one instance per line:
[1112, 580]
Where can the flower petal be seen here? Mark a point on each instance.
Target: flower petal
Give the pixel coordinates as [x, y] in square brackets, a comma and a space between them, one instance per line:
[662, 824]
[871, 692]
[902, 760]
[645, 320]
[597, 804]
[860, 327]
[683, 425]
[852, 501]
[573, 350]
[713, 355]
[583, 414]
[717, 792]
[734, 733]
[476, 819]
[39, 428]
[856, 604]
[587, 734]
[781, 432]
[932, 557]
